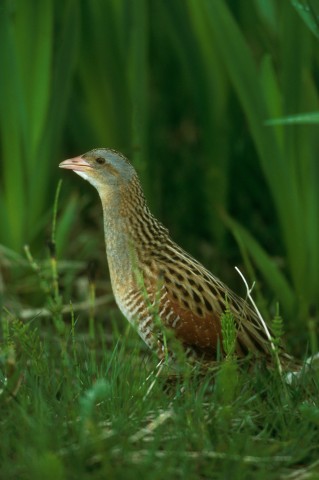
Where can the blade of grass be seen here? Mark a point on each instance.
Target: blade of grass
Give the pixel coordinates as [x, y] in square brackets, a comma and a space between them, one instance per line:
[102, 74]
[138, 86]
[12, 110]
[279, 168]
[33, 101]
[298, 118]
[309, 11]
[270, 271]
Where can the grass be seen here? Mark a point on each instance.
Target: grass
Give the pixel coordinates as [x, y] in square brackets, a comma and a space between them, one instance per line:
[82, 397]
[37, 62]
[288, 179]
[81, 405]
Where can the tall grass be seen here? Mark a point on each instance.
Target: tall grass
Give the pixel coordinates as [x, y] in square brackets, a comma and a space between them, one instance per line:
[71, 408]
[113, 79]
[287, 154]
[186, 90]
[37, 57]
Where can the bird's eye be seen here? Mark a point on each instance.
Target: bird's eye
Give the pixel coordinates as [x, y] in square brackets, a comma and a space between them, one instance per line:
[100, 160]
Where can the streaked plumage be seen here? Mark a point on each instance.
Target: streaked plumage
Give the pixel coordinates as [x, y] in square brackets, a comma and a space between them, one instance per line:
[155, 282]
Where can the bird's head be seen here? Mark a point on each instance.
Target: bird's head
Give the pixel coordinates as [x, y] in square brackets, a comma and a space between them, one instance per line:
[103, 168]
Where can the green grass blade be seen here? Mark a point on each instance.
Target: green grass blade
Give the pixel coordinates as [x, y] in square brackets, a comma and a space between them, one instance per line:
[309, 118]
[102, 75]
[278, 165]
[65, 55]
[309, 12]
[34, 40]
[270, 271]
[138, 85]
[12, 113]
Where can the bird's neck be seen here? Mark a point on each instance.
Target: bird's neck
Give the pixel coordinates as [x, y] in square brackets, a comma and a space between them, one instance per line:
[129, 230]
[117, 242]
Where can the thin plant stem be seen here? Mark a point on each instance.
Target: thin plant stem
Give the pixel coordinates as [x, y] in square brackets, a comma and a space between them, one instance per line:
[262, 321]
[54, 266]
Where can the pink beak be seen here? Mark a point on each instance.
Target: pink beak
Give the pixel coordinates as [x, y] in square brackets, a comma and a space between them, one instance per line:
[76, 164]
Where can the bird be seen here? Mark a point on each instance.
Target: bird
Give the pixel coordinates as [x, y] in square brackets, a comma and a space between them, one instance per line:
[160, 288]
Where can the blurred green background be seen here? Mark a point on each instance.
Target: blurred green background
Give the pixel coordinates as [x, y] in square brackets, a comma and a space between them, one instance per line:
[187, 89]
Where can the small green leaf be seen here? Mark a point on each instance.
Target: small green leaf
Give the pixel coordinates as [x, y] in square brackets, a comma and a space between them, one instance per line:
[302, 118]
[308, 10]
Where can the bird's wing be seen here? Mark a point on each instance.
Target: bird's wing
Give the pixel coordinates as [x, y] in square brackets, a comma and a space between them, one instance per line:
[195, 301]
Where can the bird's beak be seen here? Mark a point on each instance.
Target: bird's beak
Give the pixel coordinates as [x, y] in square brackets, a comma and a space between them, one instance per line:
[78, 164]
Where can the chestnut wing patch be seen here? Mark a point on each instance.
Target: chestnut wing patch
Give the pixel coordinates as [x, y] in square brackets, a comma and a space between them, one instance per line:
[195, 302]
[192, 324]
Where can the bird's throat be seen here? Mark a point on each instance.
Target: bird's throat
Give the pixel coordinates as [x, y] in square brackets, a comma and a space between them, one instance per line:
[118, 246]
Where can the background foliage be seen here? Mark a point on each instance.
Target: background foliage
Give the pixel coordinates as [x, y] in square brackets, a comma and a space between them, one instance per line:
[216, 104]
[185, 89]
